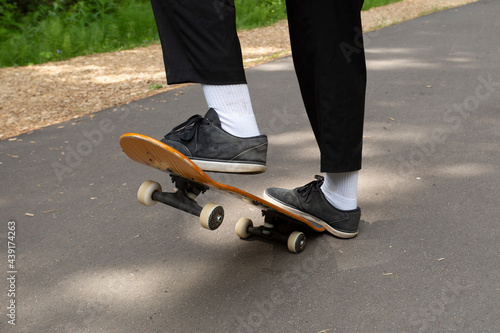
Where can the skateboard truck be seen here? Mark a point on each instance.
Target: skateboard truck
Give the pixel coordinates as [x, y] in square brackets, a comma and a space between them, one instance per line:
[211, 215]
[296, 241]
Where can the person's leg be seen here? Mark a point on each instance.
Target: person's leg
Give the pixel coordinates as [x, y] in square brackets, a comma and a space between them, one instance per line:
[199, 41]
[200, 44]
[328, 54]
[333, 87]
[332, 80]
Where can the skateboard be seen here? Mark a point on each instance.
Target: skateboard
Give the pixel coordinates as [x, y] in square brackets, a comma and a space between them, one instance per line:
[190, 181]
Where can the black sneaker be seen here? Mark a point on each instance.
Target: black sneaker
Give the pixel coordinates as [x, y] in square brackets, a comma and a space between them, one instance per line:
[203, 141]
[309, 202]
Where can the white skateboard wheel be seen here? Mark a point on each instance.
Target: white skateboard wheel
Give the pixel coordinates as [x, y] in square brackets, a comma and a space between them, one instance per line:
[241, 227]
[211, 216]
[145, 192]
[296, 242]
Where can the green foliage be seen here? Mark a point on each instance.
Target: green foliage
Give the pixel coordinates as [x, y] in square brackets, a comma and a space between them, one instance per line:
[377, 3]
[26, 6]
[257, 13]
[8, 17]
[57, 32]
[155, 86]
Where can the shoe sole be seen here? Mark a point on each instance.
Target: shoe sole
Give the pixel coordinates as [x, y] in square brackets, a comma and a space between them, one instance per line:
[229, 167]
[335, 232]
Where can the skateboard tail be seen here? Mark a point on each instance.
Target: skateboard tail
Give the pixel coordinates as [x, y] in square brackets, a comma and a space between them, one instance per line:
[153, 153]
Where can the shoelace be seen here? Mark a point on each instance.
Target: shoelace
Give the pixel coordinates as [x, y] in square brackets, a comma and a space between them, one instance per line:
[305, 190]
[188, 129]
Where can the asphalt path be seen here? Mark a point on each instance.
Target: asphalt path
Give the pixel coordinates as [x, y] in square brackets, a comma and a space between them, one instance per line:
[87, 257]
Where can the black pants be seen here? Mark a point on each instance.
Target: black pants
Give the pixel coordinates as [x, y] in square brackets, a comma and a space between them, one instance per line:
[200, 44]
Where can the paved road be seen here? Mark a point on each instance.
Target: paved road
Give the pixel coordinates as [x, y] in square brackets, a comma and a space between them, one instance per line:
[92, 259]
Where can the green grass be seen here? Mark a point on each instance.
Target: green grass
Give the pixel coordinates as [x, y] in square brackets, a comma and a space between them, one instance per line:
[377, 3]
[89, 27]
[259, 13]
[155, 86]
[60, 31]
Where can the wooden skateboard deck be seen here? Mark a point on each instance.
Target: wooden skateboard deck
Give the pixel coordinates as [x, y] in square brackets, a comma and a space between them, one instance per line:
[189, 177]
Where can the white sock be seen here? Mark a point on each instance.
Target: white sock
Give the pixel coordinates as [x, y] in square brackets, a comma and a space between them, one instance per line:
[340, 189]
[234, 108]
